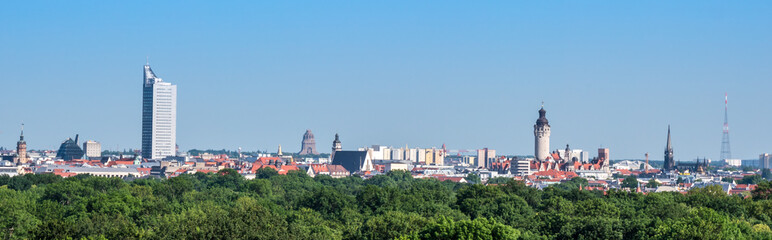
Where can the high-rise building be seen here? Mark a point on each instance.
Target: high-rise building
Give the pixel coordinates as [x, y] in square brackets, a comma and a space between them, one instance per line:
[604, 154]
[308, 146]
[764, 161]
[484, 157]
[159, 117]
[434, 157]
[669, 161]
[92, 148]
[21, 148]
[541, 132]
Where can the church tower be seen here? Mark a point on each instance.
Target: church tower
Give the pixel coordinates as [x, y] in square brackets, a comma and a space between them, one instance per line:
[21, 148]
[541, 132]
[335, 147]
[669, 161]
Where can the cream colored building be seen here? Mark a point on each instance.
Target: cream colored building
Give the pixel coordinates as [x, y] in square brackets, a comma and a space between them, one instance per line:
[92, 148]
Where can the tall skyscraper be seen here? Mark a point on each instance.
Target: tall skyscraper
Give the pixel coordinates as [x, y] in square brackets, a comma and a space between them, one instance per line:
[669, 161]
[308, 145]
[159, 117]
[541, 132]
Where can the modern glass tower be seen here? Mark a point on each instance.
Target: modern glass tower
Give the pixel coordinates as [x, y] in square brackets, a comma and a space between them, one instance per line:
[159, 117]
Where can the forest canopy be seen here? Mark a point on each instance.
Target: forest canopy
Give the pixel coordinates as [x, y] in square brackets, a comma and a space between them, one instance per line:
[224, 205]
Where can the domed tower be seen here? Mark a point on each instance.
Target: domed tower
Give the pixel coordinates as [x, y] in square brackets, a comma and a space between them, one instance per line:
[308, 145]
[541, 133]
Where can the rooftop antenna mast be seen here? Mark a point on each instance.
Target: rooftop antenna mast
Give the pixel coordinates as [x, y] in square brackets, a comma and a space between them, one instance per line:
[726, 153]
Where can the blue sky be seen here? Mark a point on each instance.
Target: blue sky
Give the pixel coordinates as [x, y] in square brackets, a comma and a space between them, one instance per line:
[255, 74]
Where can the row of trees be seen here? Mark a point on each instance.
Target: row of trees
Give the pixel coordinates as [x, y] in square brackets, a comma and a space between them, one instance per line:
[392, 206]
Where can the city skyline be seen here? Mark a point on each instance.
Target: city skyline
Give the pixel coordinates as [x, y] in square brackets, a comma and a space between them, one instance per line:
[262, 88]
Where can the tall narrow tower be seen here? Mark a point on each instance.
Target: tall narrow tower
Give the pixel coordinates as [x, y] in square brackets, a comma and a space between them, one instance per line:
[336, 146]
[159, 117]
[725, 152]
[21, 148]
[541, 133]
[669, 161]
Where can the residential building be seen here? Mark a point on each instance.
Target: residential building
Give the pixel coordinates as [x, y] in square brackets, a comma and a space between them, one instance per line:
[521, 166]
[765, 161]
[92, 148]
[733, 162]
[484, 157]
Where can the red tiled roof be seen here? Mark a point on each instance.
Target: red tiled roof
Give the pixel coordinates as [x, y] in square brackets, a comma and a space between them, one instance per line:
[266, 160]
[452, 179]
[143, 170]
[552, 173]
[334, 168]
[283, 170]
[113, 163]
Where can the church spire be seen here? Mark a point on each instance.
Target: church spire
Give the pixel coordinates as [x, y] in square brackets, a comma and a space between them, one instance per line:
[21, 137]
[669, 161]
[669, 147]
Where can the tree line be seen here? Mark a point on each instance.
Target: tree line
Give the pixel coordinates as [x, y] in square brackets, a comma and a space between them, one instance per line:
[224, 205]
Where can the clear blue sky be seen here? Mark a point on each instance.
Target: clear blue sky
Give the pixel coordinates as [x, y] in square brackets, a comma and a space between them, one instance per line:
[255, 74]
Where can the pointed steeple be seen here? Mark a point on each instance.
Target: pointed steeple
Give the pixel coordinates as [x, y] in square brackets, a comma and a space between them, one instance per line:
[669, 147]
[669, 160]
[21, 137]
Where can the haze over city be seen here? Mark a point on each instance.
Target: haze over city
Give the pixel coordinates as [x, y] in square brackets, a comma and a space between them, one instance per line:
[258, 74]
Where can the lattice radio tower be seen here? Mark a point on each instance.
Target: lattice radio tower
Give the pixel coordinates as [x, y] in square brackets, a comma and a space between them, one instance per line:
[725, 152]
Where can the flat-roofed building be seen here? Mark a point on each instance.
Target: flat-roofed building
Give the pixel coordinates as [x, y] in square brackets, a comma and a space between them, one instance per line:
[92, 148]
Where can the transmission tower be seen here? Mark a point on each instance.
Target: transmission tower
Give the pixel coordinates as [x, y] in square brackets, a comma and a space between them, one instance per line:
[725, 152]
